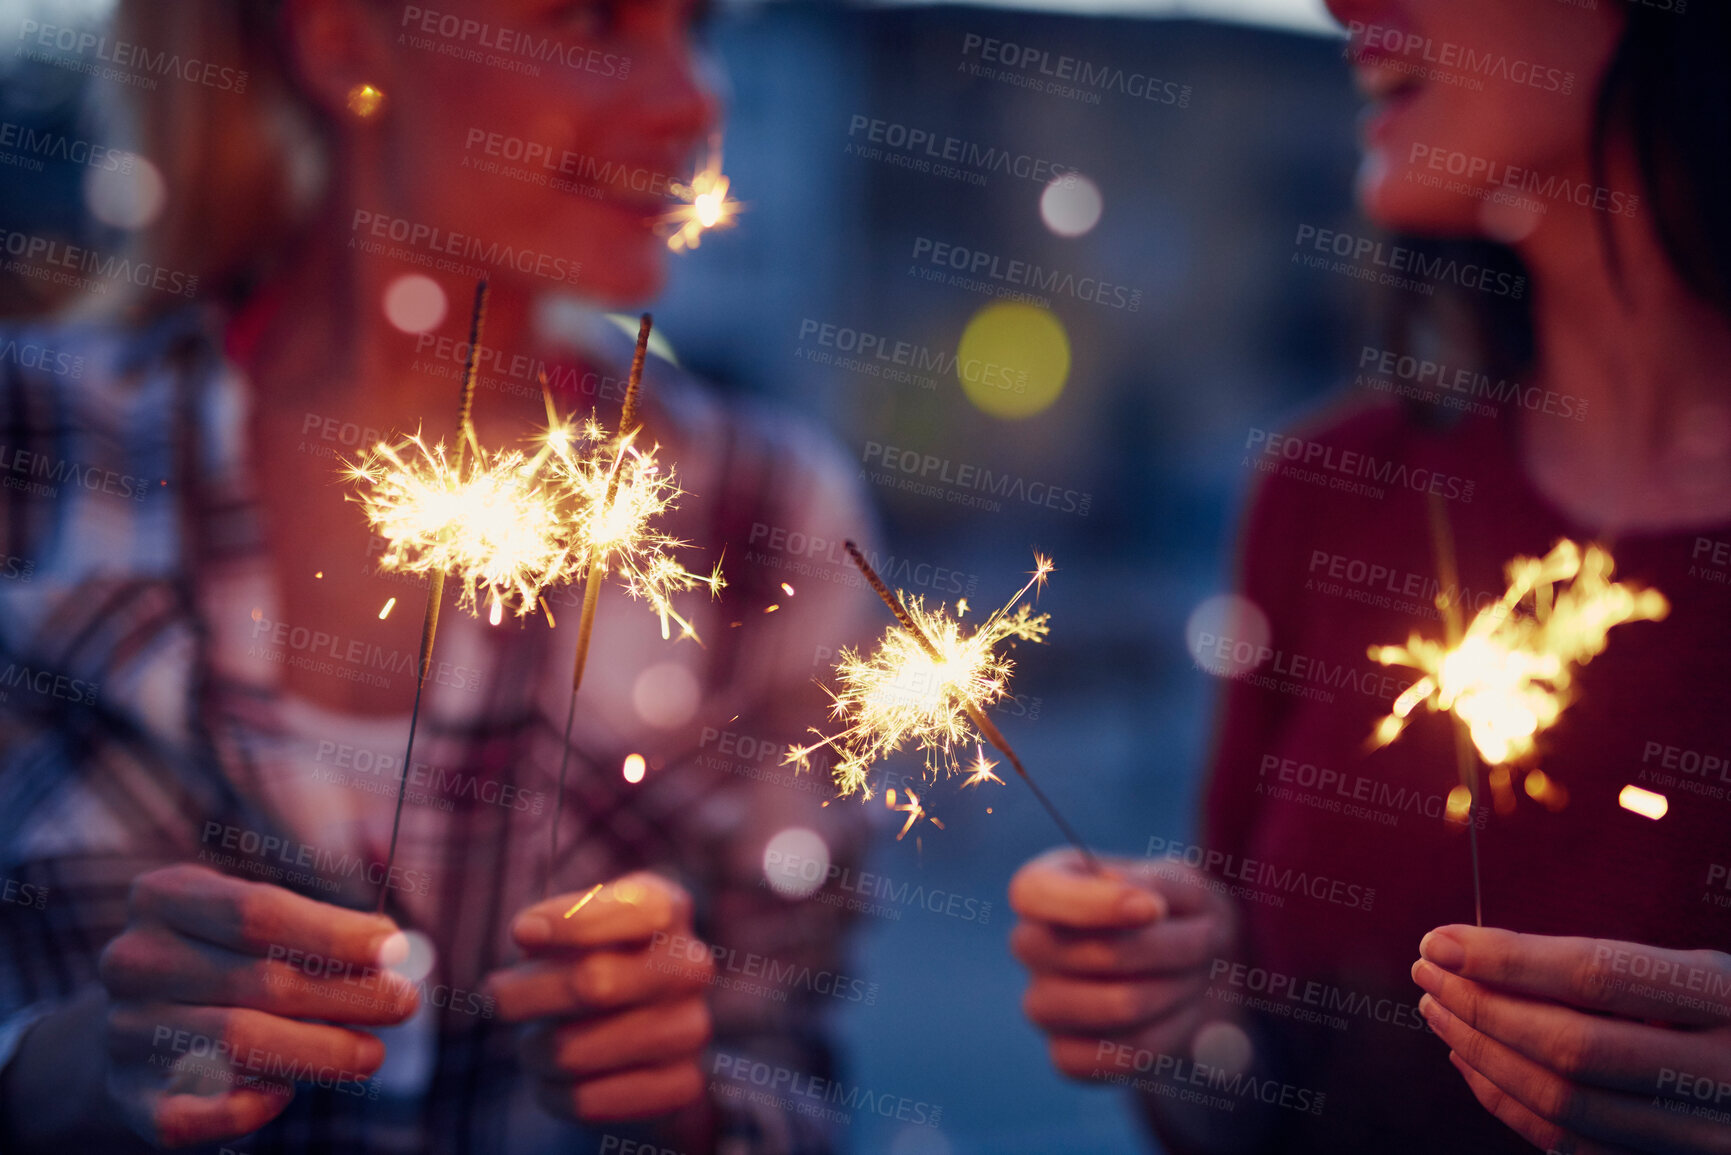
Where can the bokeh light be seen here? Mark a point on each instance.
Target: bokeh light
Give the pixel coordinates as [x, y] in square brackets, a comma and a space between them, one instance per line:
[415, 303]
[795, 862]
[1227, 635]
[1071, 205]
[1013, 359]
[421, 957]
[1643, 802]
[666, 695]
[1224, 1047]
[125, 198]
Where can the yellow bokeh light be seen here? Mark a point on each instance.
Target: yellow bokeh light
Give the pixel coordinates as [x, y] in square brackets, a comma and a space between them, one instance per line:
[1013, 360]
[1643, 802]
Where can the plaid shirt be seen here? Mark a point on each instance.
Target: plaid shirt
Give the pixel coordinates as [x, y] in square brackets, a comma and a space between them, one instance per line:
[140, 725]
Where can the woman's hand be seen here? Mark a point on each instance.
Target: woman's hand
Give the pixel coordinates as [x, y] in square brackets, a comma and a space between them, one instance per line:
[1120, 961]
[613, 990]
[209, 987]
[1586, 1045]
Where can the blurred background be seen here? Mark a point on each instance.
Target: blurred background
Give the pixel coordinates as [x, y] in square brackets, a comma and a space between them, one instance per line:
[1206, 134]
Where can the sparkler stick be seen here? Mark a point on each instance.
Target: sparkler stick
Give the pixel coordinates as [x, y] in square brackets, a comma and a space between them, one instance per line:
[436, 582]
[617, 489]
[1443, 542]
[592, 597]
[987, 729]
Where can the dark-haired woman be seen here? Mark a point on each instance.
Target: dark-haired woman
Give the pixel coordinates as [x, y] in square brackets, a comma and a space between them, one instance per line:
[1254, 983]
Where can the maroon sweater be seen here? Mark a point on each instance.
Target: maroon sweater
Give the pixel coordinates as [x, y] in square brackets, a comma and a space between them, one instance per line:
[1341, 857]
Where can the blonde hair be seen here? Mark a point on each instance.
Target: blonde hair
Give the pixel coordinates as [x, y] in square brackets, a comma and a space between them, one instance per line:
[242, 156]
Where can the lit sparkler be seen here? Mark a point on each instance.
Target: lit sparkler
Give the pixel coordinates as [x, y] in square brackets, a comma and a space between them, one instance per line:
[488, 519]
[929, 683]
[1509, 675]
[706, 206]
[616, 492]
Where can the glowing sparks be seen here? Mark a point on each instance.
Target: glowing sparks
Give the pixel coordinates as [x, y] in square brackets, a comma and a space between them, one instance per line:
[635, 768]
[1545, 790]
[365, 101]
[981, 770]
[902, 693]
[490, 520]
[1643, 802]
[613, 494]
[588, 897]
[1511, 675]
[913, 809]
[706, 206]
[390, 604]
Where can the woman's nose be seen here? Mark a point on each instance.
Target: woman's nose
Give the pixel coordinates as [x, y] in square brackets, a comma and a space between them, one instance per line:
[677, 92]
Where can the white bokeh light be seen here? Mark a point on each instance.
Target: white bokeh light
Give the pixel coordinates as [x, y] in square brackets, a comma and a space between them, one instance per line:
[126, 199]
[795, 862]
[666, 695]
[415, 303]
[1224, 1047]
[421, 957]
[1071, 205]
[1227, 635]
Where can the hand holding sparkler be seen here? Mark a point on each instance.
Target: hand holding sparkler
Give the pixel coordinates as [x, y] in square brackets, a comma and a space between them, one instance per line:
[1556, 1042]
[202, 953]
[930, 683]
[613, 996]
[1120, 960]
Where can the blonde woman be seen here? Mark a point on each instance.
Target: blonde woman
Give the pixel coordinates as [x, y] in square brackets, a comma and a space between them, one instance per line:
[209, 823]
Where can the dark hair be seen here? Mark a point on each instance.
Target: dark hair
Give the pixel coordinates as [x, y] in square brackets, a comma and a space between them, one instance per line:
[1668, 89]
[1668, 85]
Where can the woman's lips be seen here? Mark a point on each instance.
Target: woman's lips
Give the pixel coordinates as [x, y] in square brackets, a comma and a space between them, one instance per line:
[1390, 91]
[1384, 115]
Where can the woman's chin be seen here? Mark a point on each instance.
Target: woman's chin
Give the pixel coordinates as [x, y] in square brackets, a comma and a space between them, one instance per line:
[1396, 205]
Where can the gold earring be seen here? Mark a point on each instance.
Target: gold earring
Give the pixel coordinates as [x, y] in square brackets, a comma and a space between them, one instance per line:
[365, 101]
